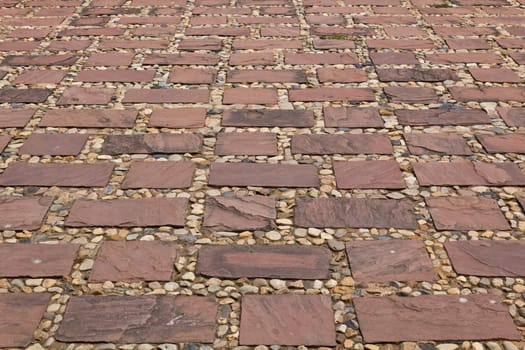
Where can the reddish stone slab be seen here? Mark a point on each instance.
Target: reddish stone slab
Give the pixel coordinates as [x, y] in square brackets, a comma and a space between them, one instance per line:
[347, 75]
[110, 44]
[266, 44]
[468, 174]
[495, 75]
[280, 31]
[15, 118]
[509, 143]
[89, 118]
[466, 213]
[268, 117]
[41, 60]
[259, 261]
[368, 174]
[152, 143]
[354, 212]
[252, 58]
[322, 94]
[405, 32]
[128, 212]
[287, 320]
[341, 144]
[219, 31]
[352, 117]
[321, 58]
[40, 77]
[138, 319]
[11, 95]
[442, 117]
[37, 260]
[390, 57]
[405, 74]
[178, 118]
[393, 260]
[511, 43]
[70, 45]
[246, 143]
[266, 76]
[433, 317]
[19, 45]
[4, 141]
[490, 93]
[192, 76]
[23, 213]
[471, 57]
[166, 96]
[250, 96]
[468, 44]
[54, 144]
[402, 44]
[134, 261]
[56, 174]
[265, 175]
[200, 44]
[159, 175]
[119, 76]
[182, 58]
[447, 144]
[326, 44]
[80, 96]
[239, 213]
[519, 57]
[110, 59]
[512, 116]
[410, 94]
[487, 258]
[21, 314]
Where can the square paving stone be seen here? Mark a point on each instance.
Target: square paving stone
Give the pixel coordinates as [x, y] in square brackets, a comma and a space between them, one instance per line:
[134, 261]
[23, 213]
[287, 320]
[54, 144]
[393, 260]
[368, 174]
[21, 314]
[246, 143]
[487, 258]
[138, 319]
[258, 261]
[37, 260]
[152, 143]
[509, 143]
[159, 175]
[434, 317]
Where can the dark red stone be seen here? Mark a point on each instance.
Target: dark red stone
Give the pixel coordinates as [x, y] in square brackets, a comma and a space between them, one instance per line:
[368, 174]
[410, 94]
[509, 143]
[442, 117]
[341, 144]
[405, 74]
[246, 143]
[54, 144]
[159, 175]
[178, 118]
[152, 143]
[23, 213]
[447, 144]
[89, 118]
[11, 95]
[512, 116]
[15, 118]
[268, 117]
[352, 117]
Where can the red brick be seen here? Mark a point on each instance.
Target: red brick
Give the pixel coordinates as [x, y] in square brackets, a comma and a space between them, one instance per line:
[411, 95]
[40, 60]
[108, 44]
[403, 44]
[159, 175]
[182, 58]
[471, 57]
[40, 77]
[86, 118]
[80, 96]
[512, 116]
[119, 76]
[178, 118]
[152, 143]
[265, 44]
[266, 76]
[280, 31]
[54, 144]
[368, 174]
[255, 58]
[92, 32]
[200, 44]
[416, 74]
[347, 75]
[442, 117]
[226, 31]
[331, 94]
[341, 144]
[246, 143]
[509, 143]
[15, 118]
[321, 58]
[468, 44]
[110, 59]
[495, 75]
[491, 93]
[446, 144]
[268, 117]
[166, 96]
[24, 95]
[23, 213]
[388, 57]
[325, 44]
[250, 96]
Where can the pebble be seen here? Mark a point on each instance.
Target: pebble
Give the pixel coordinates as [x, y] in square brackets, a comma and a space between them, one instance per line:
[447, 346]
[336, 245]
[36, 346]
[477, 346]
[509, 345]
[277, 284]
[493, 345]
[188, 276]
[273, 235]
[87, 264]
[247, 289]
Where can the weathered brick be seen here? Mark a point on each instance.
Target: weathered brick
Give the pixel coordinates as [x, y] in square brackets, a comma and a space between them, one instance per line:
[159, 175]
[86, 118]
[166, 96]
[246, 143]
[268, 117]
[250, 96]
[331, 94]
[341, 144]
[368, 174]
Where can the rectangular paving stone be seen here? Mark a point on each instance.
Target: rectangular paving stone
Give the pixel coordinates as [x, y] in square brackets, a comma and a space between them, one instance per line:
[192, 76]
[264, 175]
[495, 75]
[23, 213]
[347, 75]
[341, 144]
[354, 212]
[259, 261]
[487, 258]
[128, 212]
[178, 118]
[268, 117]
[152, 143]
[118, 76]
[4, 141]
[287, 320]
[321, 58]
[512, 116]
[252, 58]
[392, 260]
[159, 175]
[442, 117]
[352, 117]
[471, 57]
[11, 95]
[263, 96]
[200, 44]
[406, 74]
[80, 96]
[37, 260]
[466, 213]
[138, 319]
[15, 118]
[266, 44]
[368, 174]
[326, 94]
[402, 44]
[110, 59]
[239, 213]
[442, 143]
[390, 57]
[133, 261]
[519, 57]
[41, 60]
[509, 143]
[166, 96]
[54, 144]
[21, 315]
[487, 94]
[266, 76]
[410, 94]
[433, 317]
[89, 118]
[182, 58]
[468, 174]
[40, 77]
[246, 143]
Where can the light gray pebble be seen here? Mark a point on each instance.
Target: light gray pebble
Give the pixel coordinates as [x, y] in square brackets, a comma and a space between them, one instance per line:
[336, 245]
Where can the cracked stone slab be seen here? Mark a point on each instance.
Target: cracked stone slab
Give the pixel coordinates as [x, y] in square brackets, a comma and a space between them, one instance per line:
[23, 213]
[152, 143]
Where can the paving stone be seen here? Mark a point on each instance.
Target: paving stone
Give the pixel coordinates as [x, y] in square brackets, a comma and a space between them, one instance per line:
[133, 261]
[200, 44]
[266, 76]
[159, 175]
[71, 45]
[110, 59]
[471, 57]
[393, 260]
[261, 96]
[410, 95]
[510, 143]
[41, 60]
[152, 143]
[178, 118]
[390, 57]
[446, 144]
[15, 118]
[287, 320]
[487, 258]
[495, 75]
[54, 144]
[119, 76]
[368, 174]
[519, 57]
[490, 93]
[239, 213]
[259, 261]
[166, 96]
[341, 144]
[192, 76]
[56, 174]
[323, 94]
[40, 77]
[402, 44]
[246, 143]
[138, 319]
[265, 44]
[251, 58]
[21, 314]
[326, 44]
[37, 260]
[11, 95]
[89, 118]
[354, 212]
[268, 117]
[468, 44]
[352, 117]
[433, 317]
[323, 58]
[128, 212]
[466, 213]
[182, 58]
[442, 117]
[348, 75]
[265, 175]
[512, 116]
[23, 213]
[405, 74]
[80, 96]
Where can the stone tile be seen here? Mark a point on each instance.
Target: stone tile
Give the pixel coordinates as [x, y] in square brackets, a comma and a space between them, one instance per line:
[128, 212]
[178, 118]
[341, 144]
[411, 95]
[442, 117]
[182, 58]
[89, 118]
[246, 143]
[259, 261]
[390, 57]
[159, 175]
[23, 213]
[468, 174]
[466, 213]
[152, 143]
[200, 44]
[21, 314]
[401, 44]
[37, 260]
[352, 117]
[252, 58]
[495, 75]
[392, 260]
[470, 57]
[326, 44]
[354, 212]
[247, 213]
[488, 94]
[118, 76]
[512, 116]
[268, 117]
[326, 94]
[41, 60]
[40, 77]
[446, 144]
[56, 174]
[487, 258]
[134, 261]
[519, 57]
[381, 174]
[405, 74]
[138, 319]
[15, 118]
[11, 95]
[110, 59]
[266, 76]
[192, 76]
[347, 75]
[468, 44]
[509, 143]
[433, 317]
[264, 175]
[324, 58]
[241, 95]
[81, 96]
[54, 144]
[4, 141]
[166, 96]
[287, 320]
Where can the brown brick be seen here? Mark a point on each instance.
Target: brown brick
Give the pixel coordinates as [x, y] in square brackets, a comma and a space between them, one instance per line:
[15, 118]
[192, 76]
[442, 117]
[70, 45]
[495, 75]
[246, 143]
[159, 175]
[250, 96]
[347, 75]
[110, 59]
[80, 96]
[166, 96]
[152, 143]
[266, 76]
[405, 32]
[368, 174]
[268, 117]
[10, 95]
[411, 94]
[341, 144]
[86, 118]
[178, 118]
[321, 58]
[322, 94]
[490, 93]
[54, 144]
[446, 144]
[23, 213]
[119, 76]
[19, 46]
